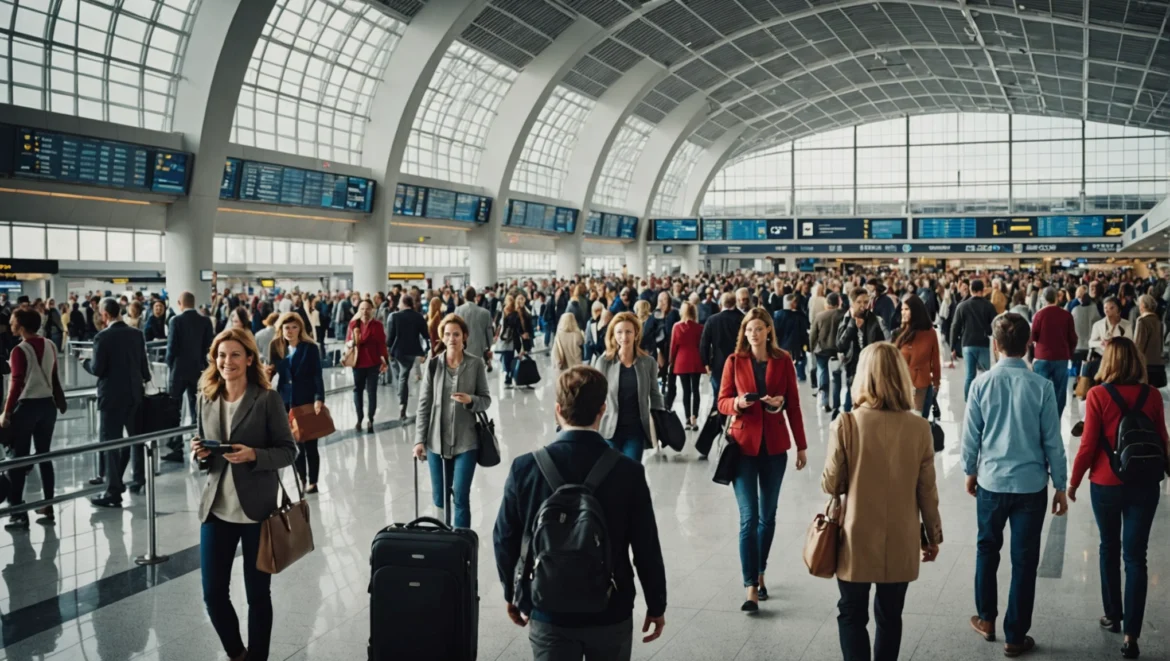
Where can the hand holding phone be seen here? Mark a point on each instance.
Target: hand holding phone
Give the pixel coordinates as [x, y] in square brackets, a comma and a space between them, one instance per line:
[216, 447]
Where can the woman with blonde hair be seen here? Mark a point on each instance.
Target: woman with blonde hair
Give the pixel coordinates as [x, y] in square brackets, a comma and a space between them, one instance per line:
[650, 324]
[295, 357]
[881, 458]
[758, 391]
[238, 407]
[434, 316]
[568, 342]
[633, 391]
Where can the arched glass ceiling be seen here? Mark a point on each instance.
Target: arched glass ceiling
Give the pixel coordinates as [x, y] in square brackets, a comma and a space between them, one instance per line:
[614, 183]
[115, 60]
[949, 163]
[665, 202]
[452, 123]
[312, 77]
[549, 146]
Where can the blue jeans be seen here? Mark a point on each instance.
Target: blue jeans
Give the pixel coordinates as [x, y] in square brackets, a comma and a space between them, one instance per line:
[928, 401]
[507, 357]
[631, 447]
[459, 472]
[824, 376]
[757, 490]
[715, 390]
[217, 550]
[975, 358]
[847, 406]
[800, 365]
[853, 616]
[1025, 512]
[1055, 371]
[1124, 515]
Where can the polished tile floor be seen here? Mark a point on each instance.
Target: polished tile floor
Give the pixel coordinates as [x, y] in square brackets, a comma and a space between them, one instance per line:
[73, 591]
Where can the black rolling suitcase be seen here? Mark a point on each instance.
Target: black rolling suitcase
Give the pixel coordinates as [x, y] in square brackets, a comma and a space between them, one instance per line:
[424, 590]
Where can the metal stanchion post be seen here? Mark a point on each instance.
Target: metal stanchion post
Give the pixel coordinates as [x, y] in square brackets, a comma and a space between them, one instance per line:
[152, 557]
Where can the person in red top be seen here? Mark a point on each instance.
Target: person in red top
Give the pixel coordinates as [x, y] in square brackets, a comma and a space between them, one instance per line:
[758, 391]
[372, 358]
[686, 362]
[30, 410]
[1124, 512]
[1054, 339]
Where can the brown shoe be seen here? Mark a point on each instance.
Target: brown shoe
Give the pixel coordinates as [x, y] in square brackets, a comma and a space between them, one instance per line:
[1013, 651]
[983, 628]
[1078, 428]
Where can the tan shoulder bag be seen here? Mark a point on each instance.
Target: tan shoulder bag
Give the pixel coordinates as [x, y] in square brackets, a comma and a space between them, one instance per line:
[824, 533]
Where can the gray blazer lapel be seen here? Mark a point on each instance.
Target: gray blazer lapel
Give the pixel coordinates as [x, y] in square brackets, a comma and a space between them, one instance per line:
[250, 397]
[212, 424]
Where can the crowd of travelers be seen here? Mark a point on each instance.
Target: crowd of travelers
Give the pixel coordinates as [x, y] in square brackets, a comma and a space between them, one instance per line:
[871, 347]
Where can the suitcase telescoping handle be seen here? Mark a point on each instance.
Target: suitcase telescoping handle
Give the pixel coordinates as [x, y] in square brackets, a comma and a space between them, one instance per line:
[428, 522]
[446, 499]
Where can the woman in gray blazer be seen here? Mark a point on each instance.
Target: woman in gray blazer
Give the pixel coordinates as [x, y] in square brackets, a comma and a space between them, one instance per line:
[445, 427]
[238, 407]
[633, 387]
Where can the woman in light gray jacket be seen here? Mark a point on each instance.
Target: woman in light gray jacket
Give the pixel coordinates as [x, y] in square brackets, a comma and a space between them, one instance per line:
[445, 428]
[633, 387]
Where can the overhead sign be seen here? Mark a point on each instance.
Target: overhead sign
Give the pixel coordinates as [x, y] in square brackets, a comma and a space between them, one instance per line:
[406, 276]
[909, 248]
[28, 266]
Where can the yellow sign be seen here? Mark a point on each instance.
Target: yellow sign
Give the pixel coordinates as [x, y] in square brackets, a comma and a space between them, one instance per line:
[120, 281]
[406, 276]
[267, 282]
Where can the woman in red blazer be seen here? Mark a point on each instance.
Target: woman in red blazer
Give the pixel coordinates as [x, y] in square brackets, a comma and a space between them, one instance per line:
[372, 359]
[1125, 512]
[685, 361]
[758, 391]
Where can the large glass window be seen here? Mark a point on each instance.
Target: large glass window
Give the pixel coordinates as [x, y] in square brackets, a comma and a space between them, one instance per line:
[549, 146]
[756, 184]
[675, 179]
[449, 132]
[312, 77]
[614, 183]
[114, 61]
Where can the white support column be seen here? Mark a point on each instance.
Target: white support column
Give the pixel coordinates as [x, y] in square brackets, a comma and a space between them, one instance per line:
[218, 53]
[690, 259]
[709, 163]
[652, 165]
[596, 138]
[393, 109]
[518, 112]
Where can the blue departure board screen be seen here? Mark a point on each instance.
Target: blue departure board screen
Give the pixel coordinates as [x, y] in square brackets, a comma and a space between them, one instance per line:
[229, 188]
[677, 229]
[746, 230]
[1071, 226]
[466, 207]
[886, 229]
[549, 223]
[75, 159]
[852, 228]
[593, 223]
[946, 228]
[534, 217]
[566, 220]
[712, 230]
[609, 224]
[269, 183]
[516, 213]
[628, 229]
[441, 203]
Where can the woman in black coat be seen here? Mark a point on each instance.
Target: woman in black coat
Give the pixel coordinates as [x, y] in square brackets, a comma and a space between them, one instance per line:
[155, 327]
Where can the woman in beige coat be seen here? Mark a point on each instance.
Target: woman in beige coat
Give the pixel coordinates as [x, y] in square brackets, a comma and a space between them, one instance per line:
[881, 458]
[568, 343]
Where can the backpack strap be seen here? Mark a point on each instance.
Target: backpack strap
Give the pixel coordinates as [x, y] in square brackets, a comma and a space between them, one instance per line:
[605, 463]
[1120, 401]
[1142, 396]
[547, 468]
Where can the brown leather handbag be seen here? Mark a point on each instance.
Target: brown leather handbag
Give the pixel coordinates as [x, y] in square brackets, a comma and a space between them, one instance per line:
[350, 357]
[824, 533]
[307, 425]
[285, 536]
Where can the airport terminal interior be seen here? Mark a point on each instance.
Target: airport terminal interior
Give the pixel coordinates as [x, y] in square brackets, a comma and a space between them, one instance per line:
[266, 149]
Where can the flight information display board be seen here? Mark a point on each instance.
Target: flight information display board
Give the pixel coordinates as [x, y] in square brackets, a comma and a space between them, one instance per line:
[610, 224]
[269, 183]
[983, 247]
[441, 204]
[676, 229]
[75, 159]
[945, 228]
[755, 229]
[628, 227]
[539, 216]
[853, 228]
[593, 223]
[1019, 227]
[781, 229]
[712, 230]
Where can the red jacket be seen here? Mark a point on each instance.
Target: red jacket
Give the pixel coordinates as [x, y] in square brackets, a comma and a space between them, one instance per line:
[1103, 415]
[684, 348]
[1054, 334]
[372, 343]
[749, 425]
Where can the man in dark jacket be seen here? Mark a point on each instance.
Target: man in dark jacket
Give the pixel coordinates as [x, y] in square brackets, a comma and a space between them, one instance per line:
[857, 331]
[406, 336]
[624, 497]
[120, 364]
[792, 332]
[720, 334]
[189, 337]
[971, 330]
[883, 306]
[822, 341]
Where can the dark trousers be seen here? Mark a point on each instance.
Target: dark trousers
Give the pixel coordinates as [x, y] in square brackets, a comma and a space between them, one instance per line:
[613, 642]
[365, 380]
[853, 616]
[32, 427]
[189, 388]
[690, 388]
[402, 369]
[506, 357]
[669, 386]
[307, 454]
[1025, 513]
[217, 550]
[1124, 515]
[114, 420]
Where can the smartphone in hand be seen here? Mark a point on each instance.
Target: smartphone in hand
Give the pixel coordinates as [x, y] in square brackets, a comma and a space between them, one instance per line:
[216, 447]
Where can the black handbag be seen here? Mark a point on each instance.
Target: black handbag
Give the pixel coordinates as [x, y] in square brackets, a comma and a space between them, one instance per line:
[709, 433]
[727, 455]
[669, 428]
[489, 447]
[936, 430]
[525, 373]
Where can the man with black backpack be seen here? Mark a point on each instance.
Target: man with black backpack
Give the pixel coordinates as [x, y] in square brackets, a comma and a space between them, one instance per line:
[572, 505]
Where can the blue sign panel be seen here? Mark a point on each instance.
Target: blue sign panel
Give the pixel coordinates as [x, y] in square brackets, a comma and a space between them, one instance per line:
[678, 229]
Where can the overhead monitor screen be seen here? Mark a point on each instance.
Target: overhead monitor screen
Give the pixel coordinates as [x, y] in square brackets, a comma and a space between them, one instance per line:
[681, 229]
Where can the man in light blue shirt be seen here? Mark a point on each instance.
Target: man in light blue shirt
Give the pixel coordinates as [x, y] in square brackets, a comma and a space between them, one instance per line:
[1011, 446]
